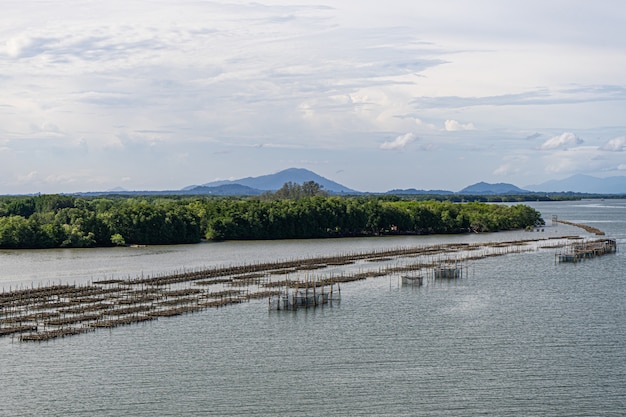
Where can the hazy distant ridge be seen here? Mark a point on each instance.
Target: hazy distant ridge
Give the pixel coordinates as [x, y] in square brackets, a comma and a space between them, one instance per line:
[420, 192]
[486, 188]
[273, 182]
[583, 184]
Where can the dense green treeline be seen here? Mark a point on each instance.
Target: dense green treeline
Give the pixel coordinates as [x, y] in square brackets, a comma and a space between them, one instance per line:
[48, 221]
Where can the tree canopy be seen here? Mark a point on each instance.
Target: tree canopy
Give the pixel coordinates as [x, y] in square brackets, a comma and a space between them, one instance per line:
[294, 211]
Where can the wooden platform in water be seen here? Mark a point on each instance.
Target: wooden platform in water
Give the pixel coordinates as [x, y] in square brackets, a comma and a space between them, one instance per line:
[55, 311]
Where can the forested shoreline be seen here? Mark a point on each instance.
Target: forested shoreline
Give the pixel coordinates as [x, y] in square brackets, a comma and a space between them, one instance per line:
[50, 221]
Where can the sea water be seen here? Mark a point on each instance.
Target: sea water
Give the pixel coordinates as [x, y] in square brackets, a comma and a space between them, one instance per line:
[518, 335]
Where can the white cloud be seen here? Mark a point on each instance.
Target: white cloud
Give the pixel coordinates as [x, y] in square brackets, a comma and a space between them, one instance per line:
[16, 44]
[502, 170]
[62, 179]
[26, 178]
[564, 140]
[506, 169]
[454, 126]
[424, 125]
[615, 145]
[513, 164]
[400, 142]
[131, 86]
[560, 165]
[580, 159]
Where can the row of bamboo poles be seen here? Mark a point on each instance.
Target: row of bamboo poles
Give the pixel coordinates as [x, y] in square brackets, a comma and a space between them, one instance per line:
[53, 311]
[586, 250]
[585, 227]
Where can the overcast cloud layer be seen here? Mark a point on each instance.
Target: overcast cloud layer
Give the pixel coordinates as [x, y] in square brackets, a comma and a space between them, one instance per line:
[162, 94]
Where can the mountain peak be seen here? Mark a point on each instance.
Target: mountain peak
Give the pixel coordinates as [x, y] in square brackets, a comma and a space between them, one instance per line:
[273, 182]
[486, 188]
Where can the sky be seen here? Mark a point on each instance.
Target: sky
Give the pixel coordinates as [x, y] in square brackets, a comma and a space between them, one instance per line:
[163, 94]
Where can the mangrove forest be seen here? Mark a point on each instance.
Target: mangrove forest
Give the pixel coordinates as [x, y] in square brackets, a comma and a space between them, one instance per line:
[50, 221]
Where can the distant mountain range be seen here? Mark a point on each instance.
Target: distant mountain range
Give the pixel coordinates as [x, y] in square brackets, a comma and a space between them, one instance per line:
[421, 192]
[486, 188]
[582, 184]
[480, 188]
[222, 189]
[256, 185]
[273, 182]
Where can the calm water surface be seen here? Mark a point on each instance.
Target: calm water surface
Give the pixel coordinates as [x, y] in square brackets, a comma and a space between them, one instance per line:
[517, 336]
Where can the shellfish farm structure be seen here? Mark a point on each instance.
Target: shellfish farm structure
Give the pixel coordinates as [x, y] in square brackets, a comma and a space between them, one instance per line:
[53, 311]
[305, 295]
[587, 249]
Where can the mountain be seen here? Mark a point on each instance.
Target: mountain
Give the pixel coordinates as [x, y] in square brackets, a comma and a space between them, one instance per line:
[257, 185]
[421, 192]
[117, 190]
[225, 189]
[273, 182]
[483, 188]
[584, 184]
